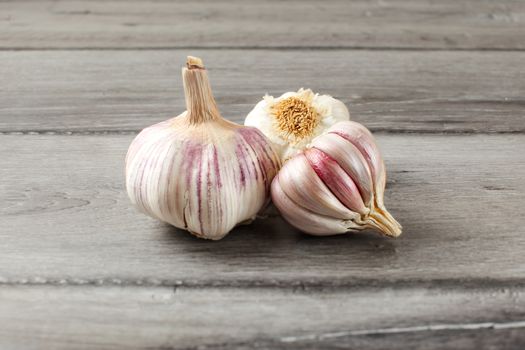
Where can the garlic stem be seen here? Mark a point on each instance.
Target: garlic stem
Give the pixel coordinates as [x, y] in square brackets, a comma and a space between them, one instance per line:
[200, 104]
[387, 226]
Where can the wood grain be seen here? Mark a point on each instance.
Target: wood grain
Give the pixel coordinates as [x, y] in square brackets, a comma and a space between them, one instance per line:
[66, 219]
[445, 24]
[228, 318]
[80, 268]
[97, 91]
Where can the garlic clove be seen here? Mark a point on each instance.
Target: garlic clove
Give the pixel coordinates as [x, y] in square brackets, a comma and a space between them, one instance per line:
[350, 159]
[336, 179]
[363, 139]
[305, 220]
[302, 185]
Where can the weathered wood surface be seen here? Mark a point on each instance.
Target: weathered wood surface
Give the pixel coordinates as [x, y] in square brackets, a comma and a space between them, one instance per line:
[228, 23]
[66, 219]
[112, 317]
[80, 268]
[80, 91]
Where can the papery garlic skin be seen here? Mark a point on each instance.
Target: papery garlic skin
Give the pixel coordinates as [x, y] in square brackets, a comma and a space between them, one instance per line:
[294, 119]
[198, 171]
[336, 185]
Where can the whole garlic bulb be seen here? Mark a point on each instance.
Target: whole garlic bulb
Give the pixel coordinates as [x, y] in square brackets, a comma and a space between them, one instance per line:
[294, 119]
[335, 185]
[198, 171]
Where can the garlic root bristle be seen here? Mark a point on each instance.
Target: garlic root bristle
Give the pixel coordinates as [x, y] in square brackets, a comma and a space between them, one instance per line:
[295, 117]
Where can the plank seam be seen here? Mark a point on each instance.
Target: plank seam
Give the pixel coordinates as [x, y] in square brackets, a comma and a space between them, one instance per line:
[375, 130]
[399, 330]
[319, 338]
[265, 48]
[300, 285]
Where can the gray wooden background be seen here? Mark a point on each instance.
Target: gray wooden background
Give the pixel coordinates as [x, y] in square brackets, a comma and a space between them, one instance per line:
[441, 83]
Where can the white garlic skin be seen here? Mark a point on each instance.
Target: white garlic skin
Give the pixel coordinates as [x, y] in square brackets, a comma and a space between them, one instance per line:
[329, 109]
[200, 172]
[336, 185]
[203, 182]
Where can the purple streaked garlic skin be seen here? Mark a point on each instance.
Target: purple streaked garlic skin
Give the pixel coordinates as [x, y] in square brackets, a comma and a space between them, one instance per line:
[198, 171]
[335, 185]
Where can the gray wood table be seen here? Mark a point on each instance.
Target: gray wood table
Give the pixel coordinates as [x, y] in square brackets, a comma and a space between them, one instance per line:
[441, 84]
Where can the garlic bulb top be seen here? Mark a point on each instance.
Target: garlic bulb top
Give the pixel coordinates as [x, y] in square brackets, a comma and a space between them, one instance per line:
[294, 119]
[199, 171]
[336, 184]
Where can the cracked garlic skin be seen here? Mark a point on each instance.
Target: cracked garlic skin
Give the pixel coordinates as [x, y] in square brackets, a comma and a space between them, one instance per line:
[198, 171]
[294, 119]
[336, 185]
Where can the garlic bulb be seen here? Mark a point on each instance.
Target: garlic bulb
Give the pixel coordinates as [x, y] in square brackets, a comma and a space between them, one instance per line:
[198, 171]
[336, 185]
[294, 119]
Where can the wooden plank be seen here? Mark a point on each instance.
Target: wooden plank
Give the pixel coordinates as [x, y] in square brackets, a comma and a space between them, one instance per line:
[96, 91]
[496, 338]
[66, 219]
[153, 24]
[229, 318]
